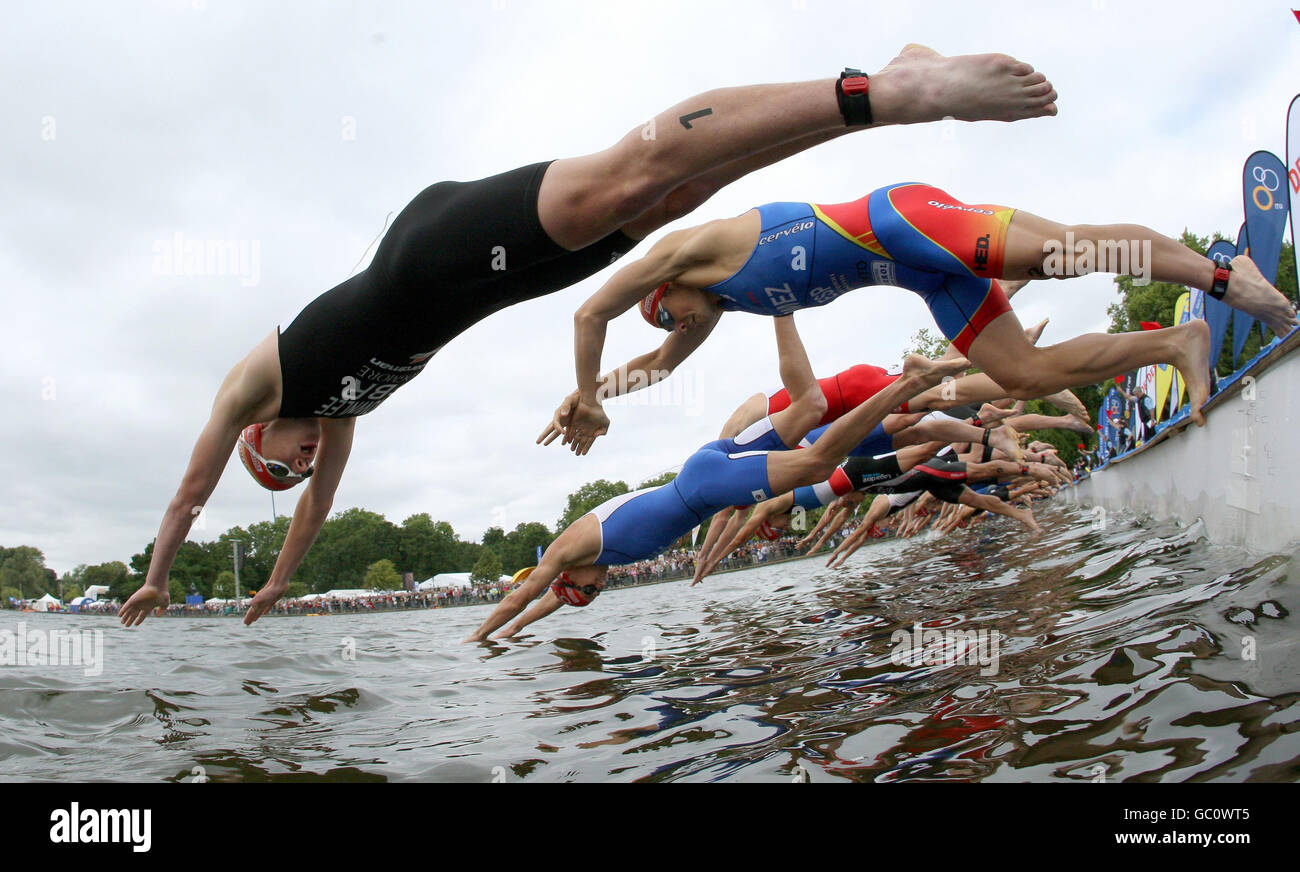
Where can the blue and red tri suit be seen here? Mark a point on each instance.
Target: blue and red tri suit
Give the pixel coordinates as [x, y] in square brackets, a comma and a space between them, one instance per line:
[724, 472]
[910, 235]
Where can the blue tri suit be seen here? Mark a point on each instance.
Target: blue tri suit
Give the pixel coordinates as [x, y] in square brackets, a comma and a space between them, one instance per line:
[910, 235]
[725, 472]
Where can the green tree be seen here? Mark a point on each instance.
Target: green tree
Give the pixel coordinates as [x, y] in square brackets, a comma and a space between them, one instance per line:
[24, 568]
[927, 343]
[426, 547]
[488, 568]
[116, 575]
[494, 538]
[382, 575]
[657, 480]
[196, 564]
[223, 586]
[586, 498]
[519, 547]
[347, 545]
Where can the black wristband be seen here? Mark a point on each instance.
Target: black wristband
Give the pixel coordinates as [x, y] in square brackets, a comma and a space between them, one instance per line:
[852, 93]
[1221, 275]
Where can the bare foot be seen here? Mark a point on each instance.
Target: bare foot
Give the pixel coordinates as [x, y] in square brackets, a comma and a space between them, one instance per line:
[991, 414]
[1067, 402]
[1192, 360]
[928, 373]
[1070, 422]
[923, 85]
[1007, 440]
[1033, 333]
[1250, 292]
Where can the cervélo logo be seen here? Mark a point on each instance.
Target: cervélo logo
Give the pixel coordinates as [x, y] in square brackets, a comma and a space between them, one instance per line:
[789, 231]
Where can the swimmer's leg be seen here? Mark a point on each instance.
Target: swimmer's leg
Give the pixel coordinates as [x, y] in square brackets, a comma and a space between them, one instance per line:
[1038, 248]
[788, 470]
[1029, 371]
[585, 199]
[1050, 422]
[749, 412]
[967, 390]
[995, 506]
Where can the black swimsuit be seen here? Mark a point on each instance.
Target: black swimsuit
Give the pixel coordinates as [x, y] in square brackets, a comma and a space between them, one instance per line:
[457, 253]
[944, 479]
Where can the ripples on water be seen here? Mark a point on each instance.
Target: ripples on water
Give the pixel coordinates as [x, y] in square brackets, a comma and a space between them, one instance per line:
[1122, 648]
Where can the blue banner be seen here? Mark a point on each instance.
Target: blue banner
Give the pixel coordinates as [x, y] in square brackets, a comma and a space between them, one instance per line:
[1218, 313]
[1264, 189]
[1108, 437]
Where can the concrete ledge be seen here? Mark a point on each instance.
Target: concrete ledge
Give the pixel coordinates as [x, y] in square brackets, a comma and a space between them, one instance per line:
[1240, 474]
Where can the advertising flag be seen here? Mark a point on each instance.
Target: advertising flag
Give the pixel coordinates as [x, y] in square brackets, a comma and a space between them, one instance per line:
[1218, 313]
[1293, 169]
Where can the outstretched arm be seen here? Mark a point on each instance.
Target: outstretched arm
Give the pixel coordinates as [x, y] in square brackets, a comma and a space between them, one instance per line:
[807, 401]
[834, 527]
[879, 509]
[764, 511]
[578, 545]
[580, 418]
[721, 528]
[833, 511]
[548, 603]
[243, 397]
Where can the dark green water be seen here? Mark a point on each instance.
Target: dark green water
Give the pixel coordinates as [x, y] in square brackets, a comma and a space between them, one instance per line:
[1124, 653]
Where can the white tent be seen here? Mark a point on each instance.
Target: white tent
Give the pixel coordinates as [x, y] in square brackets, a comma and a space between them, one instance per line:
[43, 604]
[350, 593]
[457, 580]
[95, 591]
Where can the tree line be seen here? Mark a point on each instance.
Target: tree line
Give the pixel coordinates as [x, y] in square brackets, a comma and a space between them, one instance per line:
[355, 548]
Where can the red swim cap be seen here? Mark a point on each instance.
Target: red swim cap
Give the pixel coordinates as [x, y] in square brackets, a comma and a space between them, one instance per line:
[650, 310]
[566, 591]
[252, 435]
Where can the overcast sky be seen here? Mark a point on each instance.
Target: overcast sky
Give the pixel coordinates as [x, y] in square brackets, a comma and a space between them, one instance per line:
[294, 128]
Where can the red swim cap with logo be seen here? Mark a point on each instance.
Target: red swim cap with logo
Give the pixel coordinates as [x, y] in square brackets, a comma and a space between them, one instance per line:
[252, 435]
[650, 310]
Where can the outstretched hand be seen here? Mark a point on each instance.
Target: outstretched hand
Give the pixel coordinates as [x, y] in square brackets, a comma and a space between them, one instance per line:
[559, 421]
[268, 596]
[587, 421]
[145, 600]
[578, 422]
